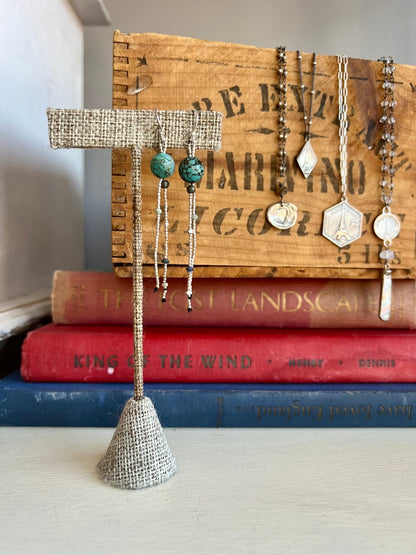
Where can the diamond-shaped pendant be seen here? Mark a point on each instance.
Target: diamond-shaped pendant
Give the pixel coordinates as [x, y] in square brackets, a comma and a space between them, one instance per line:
[306, 159]
[342, 224]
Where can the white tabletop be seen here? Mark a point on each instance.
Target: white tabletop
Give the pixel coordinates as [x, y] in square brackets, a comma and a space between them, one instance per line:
[237, 491]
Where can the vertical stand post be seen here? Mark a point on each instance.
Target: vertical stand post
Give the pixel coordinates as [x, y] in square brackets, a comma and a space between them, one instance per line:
[138, 455]
[136, 157]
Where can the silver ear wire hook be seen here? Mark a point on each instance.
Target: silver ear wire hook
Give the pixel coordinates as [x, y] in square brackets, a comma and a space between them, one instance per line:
[163, 140]
[191, 147]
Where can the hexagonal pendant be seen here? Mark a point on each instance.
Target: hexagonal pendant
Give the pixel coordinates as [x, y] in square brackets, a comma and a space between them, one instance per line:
[306, 159]
[342, 224]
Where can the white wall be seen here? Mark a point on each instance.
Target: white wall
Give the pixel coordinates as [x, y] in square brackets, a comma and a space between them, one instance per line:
[41, 190]
[357, 28]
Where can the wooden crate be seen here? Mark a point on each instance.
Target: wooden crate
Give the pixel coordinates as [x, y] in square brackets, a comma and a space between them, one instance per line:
[233, 237]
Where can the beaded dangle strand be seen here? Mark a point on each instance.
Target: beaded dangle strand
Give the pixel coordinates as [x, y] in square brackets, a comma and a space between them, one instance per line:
[191, 169]
[162, 166]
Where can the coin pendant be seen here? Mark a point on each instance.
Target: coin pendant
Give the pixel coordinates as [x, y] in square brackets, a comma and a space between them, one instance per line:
[386, 226]
[282, 215]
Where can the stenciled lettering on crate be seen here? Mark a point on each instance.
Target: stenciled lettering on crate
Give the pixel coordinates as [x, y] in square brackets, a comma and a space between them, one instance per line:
[233, 236]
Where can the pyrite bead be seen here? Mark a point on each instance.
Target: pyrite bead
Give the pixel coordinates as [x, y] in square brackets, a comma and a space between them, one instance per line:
[162, 165]
[191, 169]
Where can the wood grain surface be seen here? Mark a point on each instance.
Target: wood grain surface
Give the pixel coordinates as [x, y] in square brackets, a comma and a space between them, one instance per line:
[233, 236]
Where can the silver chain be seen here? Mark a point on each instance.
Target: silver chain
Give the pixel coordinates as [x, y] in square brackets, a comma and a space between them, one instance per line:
[281, 119]
[307, 117]
[343, 121]
[388, 145]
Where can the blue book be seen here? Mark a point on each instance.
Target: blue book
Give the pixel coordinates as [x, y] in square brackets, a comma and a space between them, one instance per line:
[210, 404]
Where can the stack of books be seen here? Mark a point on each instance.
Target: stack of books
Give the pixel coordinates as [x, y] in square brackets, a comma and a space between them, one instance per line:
[253, 352]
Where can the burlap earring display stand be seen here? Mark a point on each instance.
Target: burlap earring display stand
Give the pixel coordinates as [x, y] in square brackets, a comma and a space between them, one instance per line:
[138, 455]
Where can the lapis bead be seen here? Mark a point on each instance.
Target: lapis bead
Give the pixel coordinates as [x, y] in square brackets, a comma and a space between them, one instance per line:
[191, 169]
[162, 165]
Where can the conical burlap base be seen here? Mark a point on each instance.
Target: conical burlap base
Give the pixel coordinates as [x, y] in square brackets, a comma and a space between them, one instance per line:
[138, 455]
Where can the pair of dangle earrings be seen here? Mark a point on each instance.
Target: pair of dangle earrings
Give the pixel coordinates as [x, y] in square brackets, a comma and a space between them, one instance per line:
[191, 170]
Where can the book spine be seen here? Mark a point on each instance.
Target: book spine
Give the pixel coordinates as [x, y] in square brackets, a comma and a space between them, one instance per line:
[203, 405]
[104, 354]
[101, 298]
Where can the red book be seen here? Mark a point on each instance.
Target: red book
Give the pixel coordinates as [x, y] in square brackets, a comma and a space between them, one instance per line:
[101, 298]
[185, 354]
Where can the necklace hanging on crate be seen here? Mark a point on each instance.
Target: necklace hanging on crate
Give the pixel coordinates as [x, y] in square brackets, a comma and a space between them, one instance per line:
[282, 214]
[387, 225]
[306, 158]
[342, 222]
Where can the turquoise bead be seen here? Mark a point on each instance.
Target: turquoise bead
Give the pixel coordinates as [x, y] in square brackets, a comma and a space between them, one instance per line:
[162, 165]
[191, 169]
